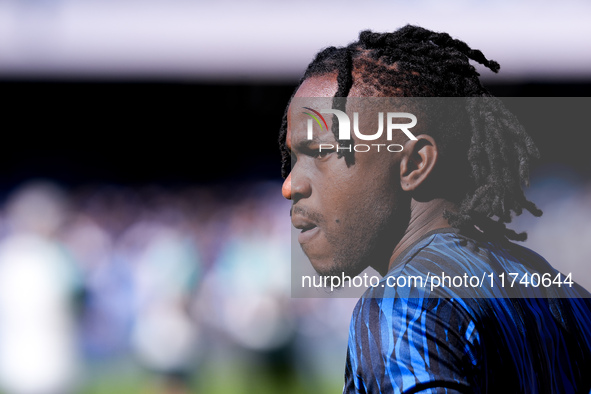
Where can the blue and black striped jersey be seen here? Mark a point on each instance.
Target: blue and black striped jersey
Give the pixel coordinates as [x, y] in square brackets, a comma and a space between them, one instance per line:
[483, 339]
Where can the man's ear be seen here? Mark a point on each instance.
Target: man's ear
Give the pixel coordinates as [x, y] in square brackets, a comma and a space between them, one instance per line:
[418, 162]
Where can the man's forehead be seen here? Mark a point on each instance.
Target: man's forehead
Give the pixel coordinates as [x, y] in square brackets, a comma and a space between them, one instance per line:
[297, 131]
[316, 92]
[318, 86]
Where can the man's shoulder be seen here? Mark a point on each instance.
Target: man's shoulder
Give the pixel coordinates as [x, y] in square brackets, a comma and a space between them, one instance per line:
[445, 334]
[461, 266]
[451, 249]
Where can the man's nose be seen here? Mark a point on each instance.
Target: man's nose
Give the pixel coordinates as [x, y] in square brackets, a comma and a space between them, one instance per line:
[286, 189]
[296, 189]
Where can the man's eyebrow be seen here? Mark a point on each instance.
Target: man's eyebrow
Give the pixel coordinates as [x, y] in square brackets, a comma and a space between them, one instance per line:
[305, 143]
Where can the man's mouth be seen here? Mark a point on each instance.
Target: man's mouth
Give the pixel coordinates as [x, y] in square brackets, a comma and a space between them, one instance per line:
[307, 234]
[308, 228]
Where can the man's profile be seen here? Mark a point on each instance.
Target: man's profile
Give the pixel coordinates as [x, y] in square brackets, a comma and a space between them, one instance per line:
[439, 204]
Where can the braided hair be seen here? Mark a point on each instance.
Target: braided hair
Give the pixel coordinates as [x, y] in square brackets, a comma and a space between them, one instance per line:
[488, 157]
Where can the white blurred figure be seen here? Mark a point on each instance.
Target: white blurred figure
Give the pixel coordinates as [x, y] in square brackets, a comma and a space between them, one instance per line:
[166, 267]
[247, 289]
[245, 295]
[38, 348]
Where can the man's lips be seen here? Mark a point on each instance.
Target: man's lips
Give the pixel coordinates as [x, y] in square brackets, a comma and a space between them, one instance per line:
[308, 227]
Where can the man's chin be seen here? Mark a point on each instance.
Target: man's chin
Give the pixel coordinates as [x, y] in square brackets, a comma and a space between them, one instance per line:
[332, 268]
[328, 261]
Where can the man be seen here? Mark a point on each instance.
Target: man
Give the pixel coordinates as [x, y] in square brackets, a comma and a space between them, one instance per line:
[437, 204]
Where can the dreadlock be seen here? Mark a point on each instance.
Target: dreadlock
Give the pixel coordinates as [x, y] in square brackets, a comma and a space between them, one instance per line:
[493, 150]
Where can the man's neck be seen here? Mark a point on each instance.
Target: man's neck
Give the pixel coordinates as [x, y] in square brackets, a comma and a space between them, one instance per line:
[424, 217]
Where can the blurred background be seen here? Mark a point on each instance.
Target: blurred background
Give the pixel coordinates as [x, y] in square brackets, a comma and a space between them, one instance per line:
[144, 242]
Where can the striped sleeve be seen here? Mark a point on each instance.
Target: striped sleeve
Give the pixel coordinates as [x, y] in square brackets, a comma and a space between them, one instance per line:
[410, 345]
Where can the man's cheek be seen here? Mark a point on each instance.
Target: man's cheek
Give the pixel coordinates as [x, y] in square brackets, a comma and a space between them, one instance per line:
[318, 248]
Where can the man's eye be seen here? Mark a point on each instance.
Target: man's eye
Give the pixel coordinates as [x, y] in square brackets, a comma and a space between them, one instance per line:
[322, 153]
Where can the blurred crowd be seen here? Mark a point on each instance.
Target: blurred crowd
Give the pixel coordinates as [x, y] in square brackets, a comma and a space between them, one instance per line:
[187, 285]
[189, 288]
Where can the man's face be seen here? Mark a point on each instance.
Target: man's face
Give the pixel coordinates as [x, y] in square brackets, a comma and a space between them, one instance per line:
[350, 217]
